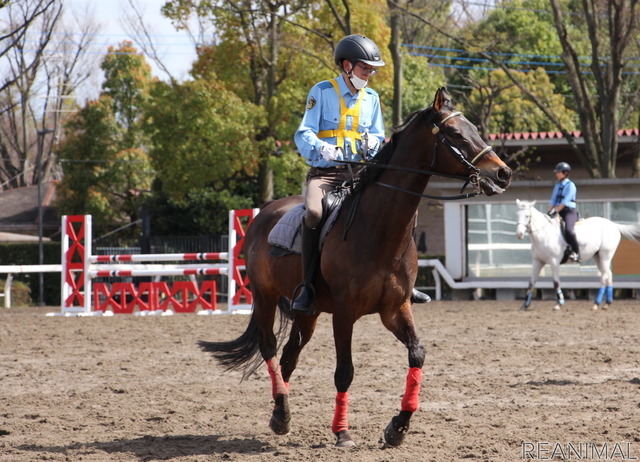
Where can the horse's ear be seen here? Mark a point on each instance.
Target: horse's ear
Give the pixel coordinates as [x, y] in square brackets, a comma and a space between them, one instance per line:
[518, 203]
[442, 99]
[533, 203]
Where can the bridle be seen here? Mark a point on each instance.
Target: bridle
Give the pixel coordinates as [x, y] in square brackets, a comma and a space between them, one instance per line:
[527, 223]
[473, 178]
[437, 130]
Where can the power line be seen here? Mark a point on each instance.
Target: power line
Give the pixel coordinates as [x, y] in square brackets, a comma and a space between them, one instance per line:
[485, 60]
[519, 55]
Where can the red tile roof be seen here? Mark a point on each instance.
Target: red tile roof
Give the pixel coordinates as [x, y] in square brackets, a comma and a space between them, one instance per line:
[552, 135]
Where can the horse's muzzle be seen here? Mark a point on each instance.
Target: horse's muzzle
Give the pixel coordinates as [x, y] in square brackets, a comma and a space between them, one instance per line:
[497, 182]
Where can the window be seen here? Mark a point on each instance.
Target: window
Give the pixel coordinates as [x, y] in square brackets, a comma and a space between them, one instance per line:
[493, 251]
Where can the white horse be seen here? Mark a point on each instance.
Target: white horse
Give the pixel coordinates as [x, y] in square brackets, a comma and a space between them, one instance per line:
[598, 238]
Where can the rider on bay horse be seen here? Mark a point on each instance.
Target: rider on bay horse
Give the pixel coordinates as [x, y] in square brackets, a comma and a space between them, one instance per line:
[342, 121]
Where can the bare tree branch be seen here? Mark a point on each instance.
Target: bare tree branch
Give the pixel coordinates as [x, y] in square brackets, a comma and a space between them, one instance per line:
[599, 121]
[136, 26]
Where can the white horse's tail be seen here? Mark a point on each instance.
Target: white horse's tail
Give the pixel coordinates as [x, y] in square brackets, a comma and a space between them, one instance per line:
[630, 231]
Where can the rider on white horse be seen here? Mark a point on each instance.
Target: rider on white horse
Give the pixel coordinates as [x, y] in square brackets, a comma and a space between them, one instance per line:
[563, 202]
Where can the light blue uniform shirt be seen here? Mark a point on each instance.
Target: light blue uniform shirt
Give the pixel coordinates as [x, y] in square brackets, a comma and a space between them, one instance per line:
[564, 192]
[323, 113]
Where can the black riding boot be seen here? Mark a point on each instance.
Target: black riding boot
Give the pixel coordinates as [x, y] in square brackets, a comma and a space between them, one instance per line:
[574, 254]
[303, 303]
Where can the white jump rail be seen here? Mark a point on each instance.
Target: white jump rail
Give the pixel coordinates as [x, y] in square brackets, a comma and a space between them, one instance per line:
[10, 270]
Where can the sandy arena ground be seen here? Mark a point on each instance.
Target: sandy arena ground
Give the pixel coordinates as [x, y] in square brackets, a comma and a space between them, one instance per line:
[499, 385]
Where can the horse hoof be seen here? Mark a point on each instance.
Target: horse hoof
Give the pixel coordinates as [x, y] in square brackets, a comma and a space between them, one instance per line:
[395, 432]
[279, 426]
[595, 308]
[344, 440]
[280, 421]
[557, 307]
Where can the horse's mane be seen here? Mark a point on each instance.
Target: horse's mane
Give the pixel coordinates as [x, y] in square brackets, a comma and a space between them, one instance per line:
[371, 173]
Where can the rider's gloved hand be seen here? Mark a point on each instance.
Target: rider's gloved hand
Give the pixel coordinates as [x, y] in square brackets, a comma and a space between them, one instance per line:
[552, 213]
[329, 152]
[374, 146]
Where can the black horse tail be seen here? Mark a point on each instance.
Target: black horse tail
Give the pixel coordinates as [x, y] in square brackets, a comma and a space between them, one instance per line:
[244, 352]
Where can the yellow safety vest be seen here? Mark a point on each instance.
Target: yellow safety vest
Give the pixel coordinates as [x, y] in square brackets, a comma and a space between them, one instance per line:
[341, 132]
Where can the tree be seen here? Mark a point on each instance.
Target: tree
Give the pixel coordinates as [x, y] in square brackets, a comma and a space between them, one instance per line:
[45, 65]
[407, 31]
[20, 19]
[254, 31]
[105, 164]
[197, 142]
[500, 108]
[610, 27]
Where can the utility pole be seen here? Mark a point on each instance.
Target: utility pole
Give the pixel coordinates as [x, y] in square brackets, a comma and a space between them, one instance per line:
[41, 134]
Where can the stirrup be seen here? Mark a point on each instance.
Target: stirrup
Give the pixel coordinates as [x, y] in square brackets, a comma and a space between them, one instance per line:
[419, 297]
[304, 301]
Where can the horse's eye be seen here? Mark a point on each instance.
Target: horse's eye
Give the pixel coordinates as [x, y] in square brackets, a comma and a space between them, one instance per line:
[451, 132]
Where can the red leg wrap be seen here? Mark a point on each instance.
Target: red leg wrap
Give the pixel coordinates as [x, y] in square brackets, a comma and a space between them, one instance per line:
[340, 419]
[278, 386]
[411, 398]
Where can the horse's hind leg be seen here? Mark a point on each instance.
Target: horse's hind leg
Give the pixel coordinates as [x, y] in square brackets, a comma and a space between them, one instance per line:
[606, 282]
[555, 275]
[264, 308]
[301, 333]
[403, 327]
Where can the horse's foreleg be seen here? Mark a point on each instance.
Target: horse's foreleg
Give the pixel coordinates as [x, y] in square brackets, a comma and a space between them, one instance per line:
[403, 328]
[555, 276]
[343, 376]
[535, 272]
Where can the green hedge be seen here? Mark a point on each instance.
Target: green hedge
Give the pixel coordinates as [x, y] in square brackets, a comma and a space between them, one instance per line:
[27, 254]
[20, 294]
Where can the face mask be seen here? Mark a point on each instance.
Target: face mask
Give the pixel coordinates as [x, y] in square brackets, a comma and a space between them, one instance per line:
[357, 82]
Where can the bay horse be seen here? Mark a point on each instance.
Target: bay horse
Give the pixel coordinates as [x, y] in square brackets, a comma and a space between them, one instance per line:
[598, 239]
[368, 262]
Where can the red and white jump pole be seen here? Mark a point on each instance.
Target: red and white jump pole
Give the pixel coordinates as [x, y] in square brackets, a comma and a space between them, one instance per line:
[79, 267]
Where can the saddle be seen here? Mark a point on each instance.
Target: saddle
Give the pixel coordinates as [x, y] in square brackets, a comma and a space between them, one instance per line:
[285, 237]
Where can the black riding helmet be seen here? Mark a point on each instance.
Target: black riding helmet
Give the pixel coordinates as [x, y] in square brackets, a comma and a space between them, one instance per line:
[356, 48]
[562, 167]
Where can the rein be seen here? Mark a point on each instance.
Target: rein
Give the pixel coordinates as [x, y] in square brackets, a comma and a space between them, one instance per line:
[529, 226]
[420, 171]
[473, 178]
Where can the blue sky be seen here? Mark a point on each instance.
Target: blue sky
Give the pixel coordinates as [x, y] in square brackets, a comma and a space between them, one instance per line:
[175, 48]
